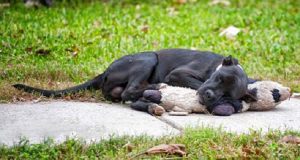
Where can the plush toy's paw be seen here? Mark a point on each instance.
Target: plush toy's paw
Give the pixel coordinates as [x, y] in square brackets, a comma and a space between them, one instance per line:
[223, 110]
[156, 109]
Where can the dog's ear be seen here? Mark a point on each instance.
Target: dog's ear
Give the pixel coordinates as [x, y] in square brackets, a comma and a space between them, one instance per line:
[228, 61]
[250, 96]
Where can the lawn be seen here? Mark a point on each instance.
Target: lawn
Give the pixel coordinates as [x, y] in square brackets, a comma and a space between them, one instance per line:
[203, 143]
[70, 43]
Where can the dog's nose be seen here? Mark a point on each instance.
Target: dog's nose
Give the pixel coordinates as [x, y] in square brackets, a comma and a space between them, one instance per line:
[209, 94]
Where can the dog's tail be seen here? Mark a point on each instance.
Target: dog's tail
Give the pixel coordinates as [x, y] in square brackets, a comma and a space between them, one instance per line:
[95, 84]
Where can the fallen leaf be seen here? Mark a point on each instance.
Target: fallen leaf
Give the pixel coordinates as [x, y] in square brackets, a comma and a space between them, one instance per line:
[137, 7]
[37, 100]
[155, 44]
[74, 51]
[290, 139]
[128, 146]
[32, 4]
[65, 22]
[2, 5]
[217, 2]
[172, 11]
[50, 83]
[28, 49]
[96, 24]
[74, 54]
[42, 51]
[10, 65]
[138, 16]
[5, 44]
[181, 1]
[230, 32]
[145, 28]
[172, 149]
[68, 98]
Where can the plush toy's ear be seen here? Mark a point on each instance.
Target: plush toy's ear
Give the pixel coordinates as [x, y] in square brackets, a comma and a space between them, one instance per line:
[250, 96]
[227, 61]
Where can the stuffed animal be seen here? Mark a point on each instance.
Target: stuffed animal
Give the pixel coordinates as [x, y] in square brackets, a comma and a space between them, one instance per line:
[269, 94]
[181, 101]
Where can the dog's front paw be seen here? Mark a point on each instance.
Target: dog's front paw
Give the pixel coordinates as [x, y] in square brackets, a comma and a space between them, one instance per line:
[156, 110]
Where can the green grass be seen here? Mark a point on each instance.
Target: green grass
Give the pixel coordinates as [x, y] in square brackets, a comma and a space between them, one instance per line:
[202, 143]
[101, 32]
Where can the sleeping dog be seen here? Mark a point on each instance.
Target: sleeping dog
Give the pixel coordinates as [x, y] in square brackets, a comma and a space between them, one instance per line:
[128, 77]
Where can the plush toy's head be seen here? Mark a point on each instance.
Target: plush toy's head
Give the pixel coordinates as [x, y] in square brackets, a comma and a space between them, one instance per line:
[269, 94]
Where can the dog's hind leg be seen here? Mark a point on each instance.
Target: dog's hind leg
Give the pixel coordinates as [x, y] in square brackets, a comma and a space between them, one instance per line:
[138, 80]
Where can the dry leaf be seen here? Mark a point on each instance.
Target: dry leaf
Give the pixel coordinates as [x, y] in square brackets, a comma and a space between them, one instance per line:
[155, 44]
[246, 150]
[28, 49]
[137, 7]
[128, 146]
[68, 98]
[74, 51]
[172, 149]
[216, 2]
[32, 4]
[96, 24]
[50, 83]
[230, 32]
[2, 5]
[6, 44]
[74, 54]
[172, 11]
[37, 100]
[42, 51]
[145, 28]
[181, 1]
[290, 139]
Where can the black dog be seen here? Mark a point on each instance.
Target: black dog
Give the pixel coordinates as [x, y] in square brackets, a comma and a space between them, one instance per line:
[219, 89]
[127, 78]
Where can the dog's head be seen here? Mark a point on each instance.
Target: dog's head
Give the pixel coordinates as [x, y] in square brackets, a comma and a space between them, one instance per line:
[229, 80]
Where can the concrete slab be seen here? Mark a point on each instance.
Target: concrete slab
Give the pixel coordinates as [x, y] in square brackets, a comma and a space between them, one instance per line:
[94, 121]
[285, 116]
[90, 121]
